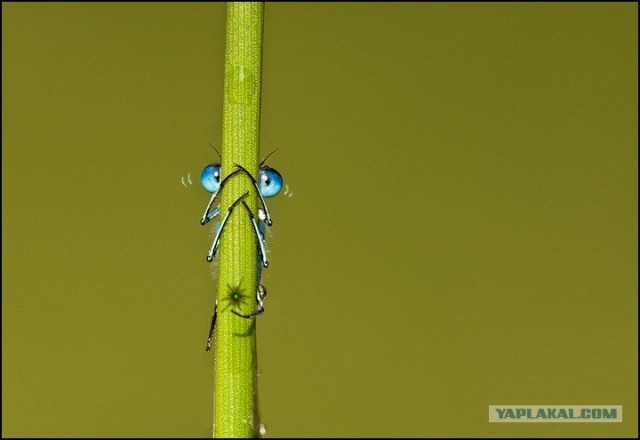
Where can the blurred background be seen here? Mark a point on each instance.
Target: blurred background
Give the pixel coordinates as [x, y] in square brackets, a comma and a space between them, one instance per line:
[459, 228]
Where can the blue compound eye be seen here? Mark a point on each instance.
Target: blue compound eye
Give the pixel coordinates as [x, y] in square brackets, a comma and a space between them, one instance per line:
[210, 177]
[270, 182]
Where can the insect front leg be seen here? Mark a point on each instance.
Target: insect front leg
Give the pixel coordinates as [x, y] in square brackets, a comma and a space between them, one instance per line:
[267, 218]
[216, 240]
[207, 216]
[210, 214]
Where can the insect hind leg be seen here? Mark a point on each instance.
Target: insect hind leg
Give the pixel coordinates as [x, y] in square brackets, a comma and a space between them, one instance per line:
[261, 293]
[213, 325]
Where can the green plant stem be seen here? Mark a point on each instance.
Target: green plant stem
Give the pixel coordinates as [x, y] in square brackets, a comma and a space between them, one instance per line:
[235, 412]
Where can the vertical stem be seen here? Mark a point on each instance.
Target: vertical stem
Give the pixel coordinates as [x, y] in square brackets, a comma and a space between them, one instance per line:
[235, 345]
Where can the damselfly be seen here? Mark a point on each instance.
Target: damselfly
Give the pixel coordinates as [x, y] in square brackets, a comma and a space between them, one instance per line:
[268, 185]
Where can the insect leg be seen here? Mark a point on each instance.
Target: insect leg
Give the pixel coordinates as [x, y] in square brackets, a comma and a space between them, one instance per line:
[207, 215]
[261, 292]
[214, 212]
[264, 205]
[213, 324]
[216, 241]
[263, 252]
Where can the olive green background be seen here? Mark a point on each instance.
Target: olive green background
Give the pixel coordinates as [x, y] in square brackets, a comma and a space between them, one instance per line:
[462, 230]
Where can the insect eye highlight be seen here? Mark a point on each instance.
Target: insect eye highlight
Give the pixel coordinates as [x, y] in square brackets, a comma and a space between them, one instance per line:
[270, 182]
[210, 177]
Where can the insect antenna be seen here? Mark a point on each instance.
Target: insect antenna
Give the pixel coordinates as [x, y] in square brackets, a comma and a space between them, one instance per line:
[265, 159]
[214, 149]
